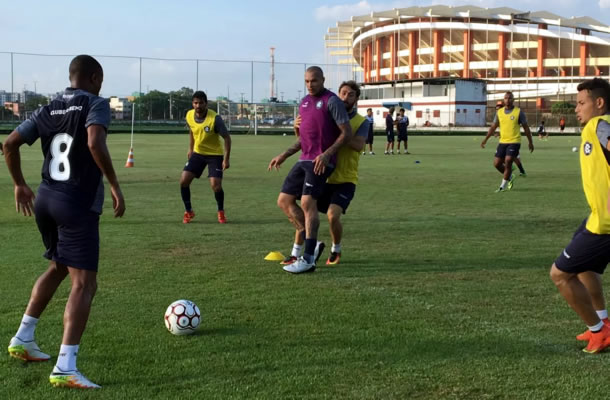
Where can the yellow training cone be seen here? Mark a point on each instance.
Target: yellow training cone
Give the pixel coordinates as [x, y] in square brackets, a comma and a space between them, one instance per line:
[274, 256]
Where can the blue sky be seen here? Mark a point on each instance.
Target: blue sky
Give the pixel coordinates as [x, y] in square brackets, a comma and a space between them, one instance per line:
[238, 30]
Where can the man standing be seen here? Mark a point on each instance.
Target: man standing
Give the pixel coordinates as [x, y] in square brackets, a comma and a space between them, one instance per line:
[508, 118]
[562, 124]
[340, 187]
[370, 136]
[402, 121]
[72, 130]
[389, 131]
[205, 149]
[577, 271]
[324, 129]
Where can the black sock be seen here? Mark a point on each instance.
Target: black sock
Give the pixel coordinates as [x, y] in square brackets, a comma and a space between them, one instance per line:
[521, 169]
[185, 192]
[310, 248]
[220, 199]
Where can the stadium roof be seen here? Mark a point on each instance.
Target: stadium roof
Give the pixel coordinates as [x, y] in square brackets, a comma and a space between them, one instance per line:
[498, 13]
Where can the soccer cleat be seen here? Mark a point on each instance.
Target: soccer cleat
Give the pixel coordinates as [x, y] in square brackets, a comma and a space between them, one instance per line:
[300, 266]
[26, 351]
[586, 335]
[406, 152]
[523, 175]
[188, 216]
[333, 259]
[364, 153]
[599, 341]
[510, 182]
[71, 379]
[318, 251]
[499, 190]
[221, 217]
[372, 153]
[288, 260]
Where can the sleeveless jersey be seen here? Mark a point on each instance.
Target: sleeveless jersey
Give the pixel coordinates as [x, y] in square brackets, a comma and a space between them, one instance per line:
[510, 131]
[207, 141]
[595, 173]
[318, 130]
[348, 158]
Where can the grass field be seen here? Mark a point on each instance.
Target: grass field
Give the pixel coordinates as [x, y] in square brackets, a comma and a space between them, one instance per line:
[442, 291]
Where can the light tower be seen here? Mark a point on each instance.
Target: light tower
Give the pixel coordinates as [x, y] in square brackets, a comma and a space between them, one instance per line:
[272, 80]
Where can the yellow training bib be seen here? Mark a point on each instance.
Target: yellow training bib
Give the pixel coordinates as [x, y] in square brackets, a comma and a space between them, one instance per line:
[207, 141]
[348, 158]
[509, 126]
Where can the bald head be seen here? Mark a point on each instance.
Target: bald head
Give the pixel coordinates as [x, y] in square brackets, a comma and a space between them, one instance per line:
[86, 73]
[314, 80]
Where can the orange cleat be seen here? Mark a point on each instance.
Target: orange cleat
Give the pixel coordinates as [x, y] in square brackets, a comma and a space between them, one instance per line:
[221, 217]
[333, 259]
[188, 216]
[599, 341]
[586, 335]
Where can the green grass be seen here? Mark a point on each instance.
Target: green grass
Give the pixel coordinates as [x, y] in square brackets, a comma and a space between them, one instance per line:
[442, 291]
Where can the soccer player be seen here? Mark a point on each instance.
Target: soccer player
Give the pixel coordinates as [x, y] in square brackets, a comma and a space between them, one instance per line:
[206, 128]
[72, 130]
[402, 121]
[389, 132]
[577, 271]
[324, 129]
[340, 187]
[508, 118]
[370, 137]
[517, 159]
[541, 131]
[562, 124]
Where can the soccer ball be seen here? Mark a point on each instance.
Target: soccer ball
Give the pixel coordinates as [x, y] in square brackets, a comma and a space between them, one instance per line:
[182, 317]
[574, 149]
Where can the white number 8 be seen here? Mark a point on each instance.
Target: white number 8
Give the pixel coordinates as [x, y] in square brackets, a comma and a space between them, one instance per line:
[59, 167]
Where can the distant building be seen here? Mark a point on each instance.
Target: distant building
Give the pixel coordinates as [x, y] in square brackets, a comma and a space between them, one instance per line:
[120, 107]
[9, 97]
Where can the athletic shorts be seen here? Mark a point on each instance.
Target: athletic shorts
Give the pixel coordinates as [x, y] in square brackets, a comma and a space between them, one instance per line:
[586, 252]
[508, 150]
[197, 163]
[69, 232]
[403, 137]
[390, 136]
[340, 194]
[301, 180]
[370, 137]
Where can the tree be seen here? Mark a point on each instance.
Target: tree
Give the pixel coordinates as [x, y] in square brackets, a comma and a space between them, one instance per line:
[563, 108]
[34, 102]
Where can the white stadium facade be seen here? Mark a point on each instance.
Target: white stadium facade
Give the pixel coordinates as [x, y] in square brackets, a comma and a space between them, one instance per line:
[409, 54]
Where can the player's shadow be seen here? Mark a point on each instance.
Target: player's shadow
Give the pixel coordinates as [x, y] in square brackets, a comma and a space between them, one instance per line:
[220, 331]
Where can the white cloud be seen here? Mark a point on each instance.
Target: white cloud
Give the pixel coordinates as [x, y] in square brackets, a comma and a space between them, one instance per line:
[604, 3]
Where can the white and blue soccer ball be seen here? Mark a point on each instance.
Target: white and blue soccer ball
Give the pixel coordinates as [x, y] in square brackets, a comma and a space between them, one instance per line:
[182, 317]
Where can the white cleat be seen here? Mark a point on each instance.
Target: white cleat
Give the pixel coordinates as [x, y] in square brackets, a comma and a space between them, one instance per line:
[318, 251]
[300, 266]
[26, 351]
[71, 379]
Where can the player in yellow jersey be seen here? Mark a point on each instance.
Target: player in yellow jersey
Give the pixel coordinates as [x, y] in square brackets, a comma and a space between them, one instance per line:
[508, 119]
[340, 187]
[577, 271]
[206, 129]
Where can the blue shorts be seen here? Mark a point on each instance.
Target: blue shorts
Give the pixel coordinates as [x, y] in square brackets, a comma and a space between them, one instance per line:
[390, 136]
[508, 150]
[301, 180]
[69, 232]
[586, 252]
[197, 163]
[340, 194]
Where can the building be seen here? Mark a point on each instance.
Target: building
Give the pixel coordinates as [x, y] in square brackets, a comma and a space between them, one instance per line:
[540, 56]
[8, 97]
[120, 107]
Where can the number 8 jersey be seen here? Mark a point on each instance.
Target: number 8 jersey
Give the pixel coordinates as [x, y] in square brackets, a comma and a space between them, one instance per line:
[68, 165]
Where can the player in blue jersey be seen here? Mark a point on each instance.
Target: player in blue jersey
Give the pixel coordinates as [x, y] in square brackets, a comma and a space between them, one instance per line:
[72, 130]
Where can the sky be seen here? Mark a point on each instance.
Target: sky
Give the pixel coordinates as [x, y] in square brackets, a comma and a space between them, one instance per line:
[188, 29]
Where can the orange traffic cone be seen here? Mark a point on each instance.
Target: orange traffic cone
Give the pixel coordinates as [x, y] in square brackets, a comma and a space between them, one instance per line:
[129, 163]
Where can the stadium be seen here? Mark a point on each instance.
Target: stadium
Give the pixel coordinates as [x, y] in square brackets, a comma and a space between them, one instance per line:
[539, 55]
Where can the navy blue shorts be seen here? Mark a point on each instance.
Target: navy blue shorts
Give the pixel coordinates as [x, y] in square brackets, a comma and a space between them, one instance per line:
[340, 194]
[197, 163]
[390, 136]
[586, 252]
[301, 180]
[508, 150]
[403, 137]
[69, 232]
[370, 137]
